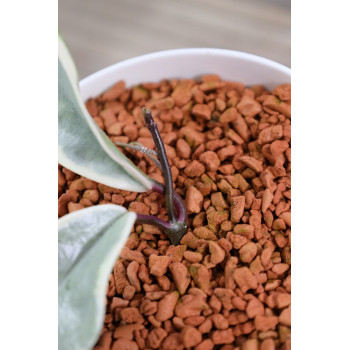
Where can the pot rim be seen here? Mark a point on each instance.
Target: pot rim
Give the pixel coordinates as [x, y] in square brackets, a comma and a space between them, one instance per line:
[187, 52]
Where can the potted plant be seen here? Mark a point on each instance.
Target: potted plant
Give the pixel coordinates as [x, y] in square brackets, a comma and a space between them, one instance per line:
[91, 239]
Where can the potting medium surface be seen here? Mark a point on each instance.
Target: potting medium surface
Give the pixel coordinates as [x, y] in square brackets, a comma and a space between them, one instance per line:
[228, 284]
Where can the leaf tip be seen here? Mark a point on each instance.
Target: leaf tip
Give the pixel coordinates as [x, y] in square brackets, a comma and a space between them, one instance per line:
[147, 116]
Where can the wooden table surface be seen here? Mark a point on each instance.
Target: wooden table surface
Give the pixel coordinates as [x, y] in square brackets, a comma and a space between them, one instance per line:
[102, 32]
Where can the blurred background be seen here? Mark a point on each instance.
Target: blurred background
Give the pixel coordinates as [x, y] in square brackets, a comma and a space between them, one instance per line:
[102, 32]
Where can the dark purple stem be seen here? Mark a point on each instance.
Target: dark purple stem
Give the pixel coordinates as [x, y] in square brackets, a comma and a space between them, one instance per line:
[153, 220]
[177, 225]
[179, 204]
[169, 192]
[174, 231]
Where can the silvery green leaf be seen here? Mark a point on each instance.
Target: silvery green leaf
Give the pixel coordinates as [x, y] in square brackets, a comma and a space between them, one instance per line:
[82, 146]
[89, 242]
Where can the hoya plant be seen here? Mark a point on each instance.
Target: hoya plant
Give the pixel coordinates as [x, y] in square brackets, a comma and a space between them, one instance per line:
[90, 240]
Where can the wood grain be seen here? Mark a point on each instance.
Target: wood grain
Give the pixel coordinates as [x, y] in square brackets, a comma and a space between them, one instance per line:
[103, 32]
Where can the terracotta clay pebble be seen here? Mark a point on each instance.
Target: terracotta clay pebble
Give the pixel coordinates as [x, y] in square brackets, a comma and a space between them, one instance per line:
[194, 169]
[228, 115]
[158, 264]
[131, 272]
[183, 150]
[166, 306]
[206, 326]
[283, 300]
[172, 342]
[249, 107]
[217, 254]
[193, 257]
[201, 111]
[201, 277]
[120, 277]
[131, 315]
[263, 323]
[254, 307]
[268, 344]
[204, 233]
[237, 208]
[248, 252]
[228, 284]
[210, 160]
[194, 200]
[244, 230]
[155, 337]
[222, 336]
[132, 255]
[267, 198]
[114, 92]
[252, 163]
[124, 344]
[250, 344]
[245, 279]
[285, 317]
[194, 320]
[219, 321]
[190, 336]
[193, 305]
[270, 134]
[181, 276]
[206, 344]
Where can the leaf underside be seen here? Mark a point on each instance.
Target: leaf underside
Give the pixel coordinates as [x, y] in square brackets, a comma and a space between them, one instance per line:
[82, 146]
[89, 242]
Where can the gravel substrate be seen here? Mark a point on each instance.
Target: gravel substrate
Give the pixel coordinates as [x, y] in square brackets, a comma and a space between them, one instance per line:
[227, 285]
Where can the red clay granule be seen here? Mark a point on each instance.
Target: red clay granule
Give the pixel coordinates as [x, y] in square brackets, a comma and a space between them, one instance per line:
[227, 285]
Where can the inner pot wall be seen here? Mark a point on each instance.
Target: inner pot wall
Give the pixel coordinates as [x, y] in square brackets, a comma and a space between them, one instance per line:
[188, 63]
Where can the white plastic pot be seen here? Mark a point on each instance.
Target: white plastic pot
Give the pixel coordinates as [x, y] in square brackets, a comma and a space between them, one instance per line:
[188, 63]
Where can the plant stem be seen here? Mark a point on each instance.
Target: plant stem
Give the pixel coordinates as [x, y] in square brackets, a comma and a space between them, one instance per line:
[179, 228]
[177, 225]
[140, 148]
[169, 192]
[174, 231]
[153, 220]
[179, 204]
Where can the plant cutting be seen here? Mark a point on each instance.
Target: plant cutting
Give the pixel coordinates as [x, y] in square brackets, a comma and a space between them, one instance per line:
[98, 159]
[227, 284]
[89, 241]
[99, 233]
